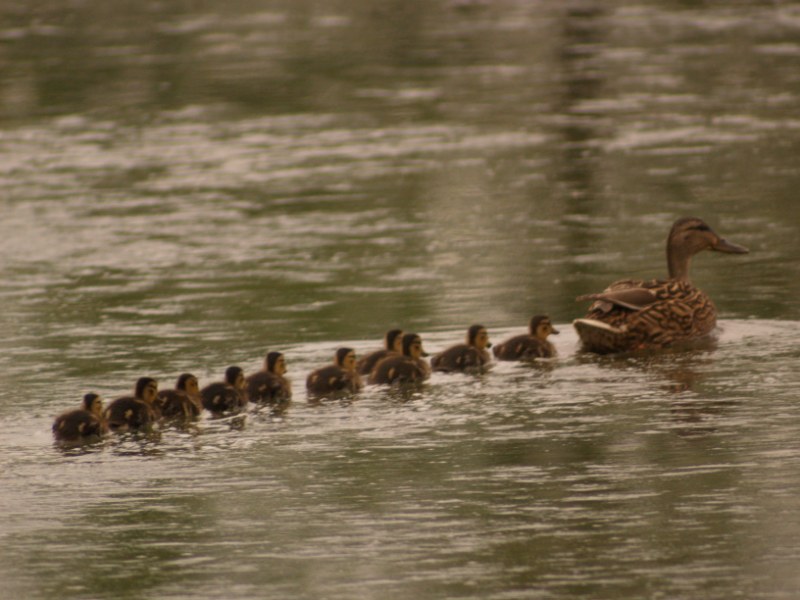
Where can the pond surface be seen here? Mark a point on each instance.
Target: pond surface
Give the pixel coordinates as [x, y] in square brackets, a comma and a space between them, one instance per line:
[186, 186]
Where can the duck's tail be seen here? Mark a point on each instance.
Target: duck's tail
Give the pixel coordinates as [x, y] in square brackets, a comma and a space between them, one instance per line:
[600, 337]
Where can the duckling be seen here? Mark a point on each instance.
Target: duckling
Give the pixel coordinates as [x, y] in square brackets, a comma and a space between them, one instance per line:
[137, 412]
[270, 385]
[341, 376]
[469, 357]
[406, 368]
[184, 402]
[532, 345]
[83, 424]
[637, 315]
[393, 344]
[227, 396]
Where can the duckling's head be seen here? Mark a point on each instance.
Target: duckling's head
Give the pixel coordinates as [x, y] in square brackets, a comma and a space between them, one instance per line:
[234, 376]
[412, 346]
[394, 340]
[540, 327]
[478, 336]
[276, 363]
[93, 403]
[346, 359]
[688, 236]
[146, 389]
[188, 383]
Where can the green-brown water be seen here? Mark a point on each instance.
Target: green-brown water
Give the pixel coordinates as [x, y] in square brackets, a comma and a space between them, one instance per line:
[184, 186]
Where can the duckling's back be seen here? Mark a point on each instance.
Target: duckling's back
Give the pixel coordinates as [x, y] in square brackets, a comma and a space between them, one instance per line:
[129, 414]
[461, 357]
[399, 369]
[78, 425]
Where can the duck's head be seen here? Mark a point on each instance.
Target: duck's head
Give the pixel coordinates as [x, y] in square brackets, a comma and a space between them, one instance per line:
[234, 376]
[346, 359]
[540, 327]
[394, 340]
[188, 383]
[689, 236]
[478, 336]
[276, 363]
[93, 403]
[412, 346]
[146, 389]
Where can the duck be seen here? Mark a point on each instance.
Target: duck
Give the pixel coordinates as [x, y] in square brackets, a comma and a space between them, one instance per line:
[270, 386]
[531, 345]
[393, 345]
[228, 396]
[83, 424]
[183, 402]
[341, 376]
[632, 314]
[469, 357]
[137, 412]
[409, 367]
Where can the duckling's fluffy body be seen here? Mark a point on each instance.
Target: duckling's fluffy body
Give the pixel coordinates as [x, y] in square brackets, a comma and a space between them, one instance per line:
[83, 424]
[177, 404]
[137, 412]
[129, 414]
[461, 357]
[531, 346]
[408, 367]
[332, 378]
[268, 388]
[393, 342]
[524, 347]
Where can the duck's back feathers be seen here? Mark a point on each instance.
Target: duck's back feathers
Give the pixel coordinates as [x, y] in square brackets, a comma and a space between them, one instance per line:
[523, 347]
[268, 388]
[78, 425]
[129, 414]
[676, 311]
[399, 368]
[460, 358]
[332, 379]
[367, 363]
[177, 404]
[220, 398]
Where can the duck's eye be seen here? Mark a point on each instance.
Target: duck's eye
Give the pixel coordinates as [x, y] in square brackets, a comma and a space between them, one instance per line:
[702, 227]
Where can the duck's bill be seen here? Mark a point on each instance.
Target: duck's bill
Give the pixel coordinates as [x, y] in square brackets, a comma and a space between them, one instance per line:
[554, 330]
[725, 246]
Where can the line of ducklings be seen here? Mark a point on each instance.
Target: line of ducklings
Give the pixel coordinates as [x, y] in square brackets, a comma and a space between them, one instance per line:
[400, 361]
[629, 315]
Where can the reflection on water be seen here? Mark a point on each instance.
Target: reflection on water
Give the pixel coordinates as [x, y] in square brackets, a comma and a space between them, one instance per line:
[186, 186]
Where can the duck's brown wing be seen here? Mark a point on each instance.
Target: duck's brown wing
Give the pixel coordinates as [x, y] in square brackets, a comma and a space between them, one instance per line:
[680, 312]
[632, 298]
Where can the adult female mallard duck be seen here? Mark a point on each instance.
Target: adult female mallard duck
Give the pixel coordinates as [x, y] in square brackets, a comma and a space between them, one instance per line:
[393, 345]
[341, 376]
[408, 367]
[83, 424]
[529, 346]
[636, 314]
[469, 357]
[270, 386]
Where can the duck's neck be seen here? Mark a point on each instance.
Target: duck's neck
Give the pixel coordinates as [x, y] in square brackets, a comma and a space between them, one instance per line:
[678, 264]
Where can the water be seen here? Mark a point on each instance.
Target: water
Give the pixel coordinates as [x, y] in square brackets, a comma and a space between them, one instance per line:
[185, 187]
